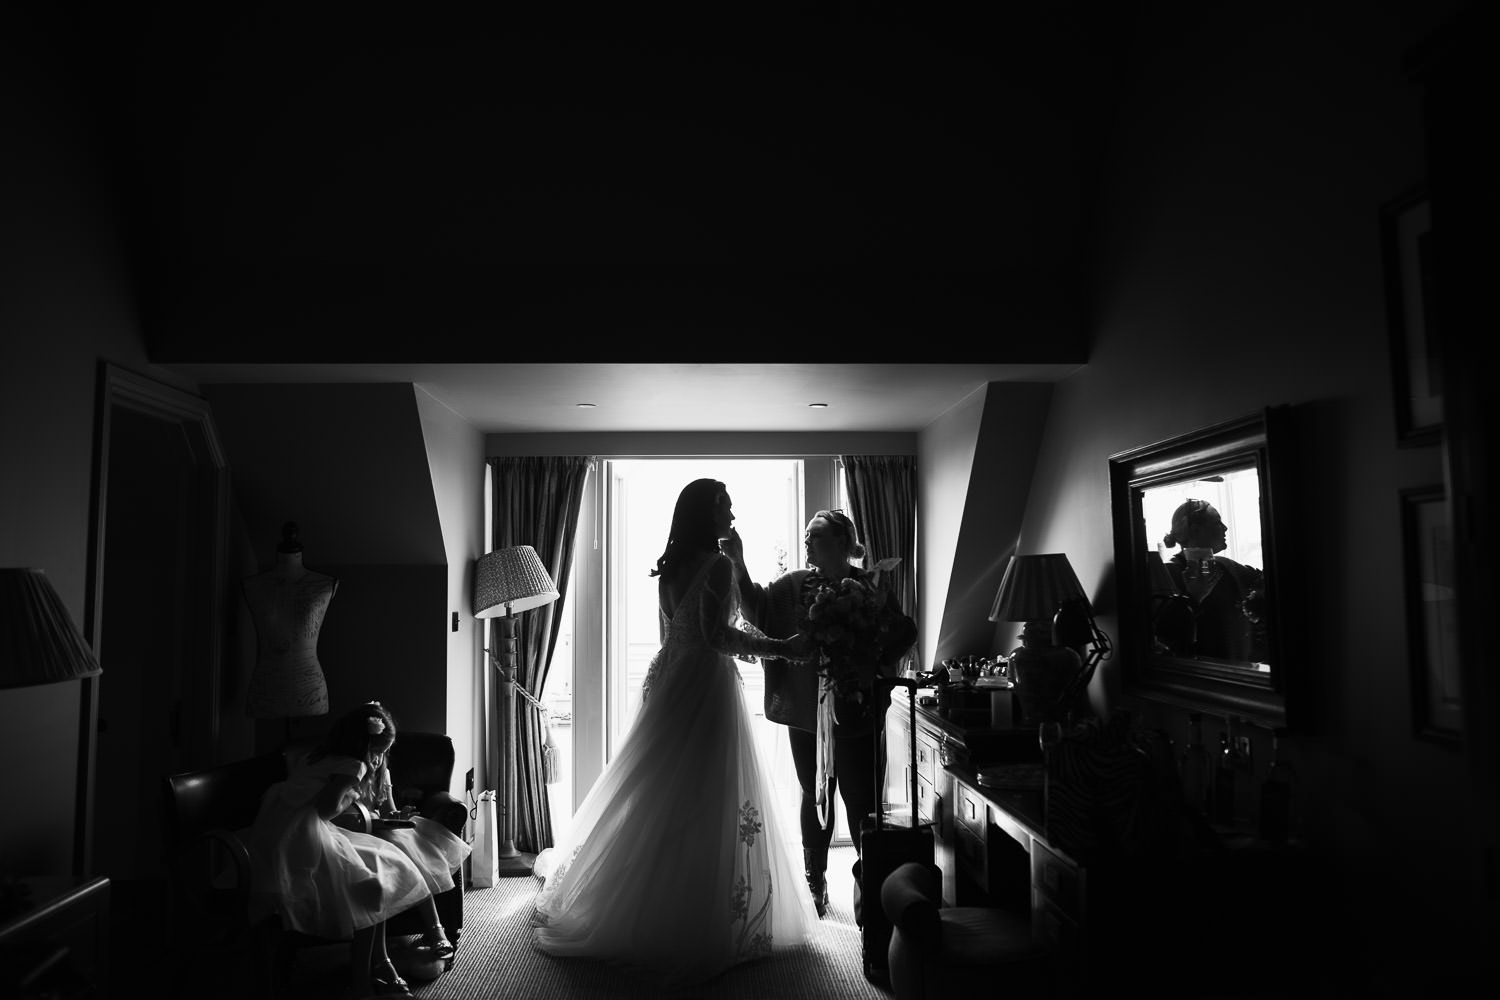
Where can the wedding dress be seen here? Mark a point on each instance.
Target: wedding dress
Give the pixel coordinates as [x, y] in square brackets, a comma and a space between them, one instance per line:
[676, 862]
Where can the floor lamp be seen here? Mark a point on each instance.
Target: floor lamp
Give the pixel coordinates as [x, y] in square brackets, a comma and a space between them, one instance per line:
[509, 581]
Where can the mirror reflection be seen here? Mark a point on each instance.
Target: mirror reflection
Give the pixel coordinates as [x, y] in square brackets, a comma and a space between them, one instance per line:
[1208, 590]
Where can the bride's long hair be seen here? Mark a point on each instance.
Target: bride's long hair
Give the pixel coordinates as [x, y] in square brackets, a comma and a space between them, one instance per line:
[694, 528]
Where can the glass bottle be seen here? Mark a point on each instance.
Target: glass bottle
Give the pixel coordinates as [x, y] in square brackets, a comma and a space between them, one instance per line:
[1221, 807]
[1276, 796]
[1194, 766]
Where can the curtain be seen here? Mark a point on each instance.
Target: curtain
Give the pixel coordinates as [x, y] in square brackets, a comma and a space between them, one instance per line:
[883, 502]
[536, 503]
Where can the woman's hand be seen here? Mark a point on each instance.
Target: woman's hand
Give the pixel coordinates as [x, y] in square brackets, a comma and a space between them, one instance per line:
[801, 647]
[732, 547]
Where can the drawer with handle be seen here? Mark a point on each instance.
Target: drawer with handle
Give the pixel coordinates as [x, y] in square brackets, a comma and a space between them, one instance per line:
[971, 811]
[926, 757]
[926, 799]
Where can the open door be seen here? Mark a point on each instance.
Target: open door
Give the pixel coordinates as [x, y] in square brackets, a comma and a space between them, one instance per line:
[155, 616]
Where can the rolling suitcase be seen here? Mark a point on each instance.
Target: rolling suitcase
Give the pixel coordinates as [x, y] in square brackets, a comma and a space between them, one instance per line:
[885, 847]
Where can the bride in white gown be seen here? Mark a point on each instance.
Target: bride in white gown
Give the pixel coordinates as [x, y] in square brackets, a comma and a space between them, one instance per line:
[676, 863]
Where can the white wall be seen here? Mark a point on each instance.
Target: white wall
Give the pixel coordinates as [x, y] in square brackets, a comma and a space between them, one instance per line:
[65, 306]
[455, 455]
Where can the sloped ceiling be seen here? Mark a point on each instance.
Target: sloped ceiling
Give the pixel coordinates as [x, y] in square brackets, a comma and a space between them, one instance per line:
[812, 184]
[348, 463]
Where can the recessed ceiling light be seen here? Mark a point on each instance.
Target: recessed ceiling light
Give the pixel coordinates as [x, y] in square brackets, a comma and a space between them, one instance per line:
[585, 406]
[817, 406]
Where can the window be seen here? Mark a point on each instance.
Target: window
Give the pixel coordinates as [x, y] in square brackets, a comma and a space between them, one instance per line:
[610, 629]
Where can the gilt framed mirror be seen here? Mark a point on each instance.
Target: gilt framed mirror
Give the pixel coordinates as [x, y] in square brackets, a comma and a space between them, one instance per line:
[1201, 538]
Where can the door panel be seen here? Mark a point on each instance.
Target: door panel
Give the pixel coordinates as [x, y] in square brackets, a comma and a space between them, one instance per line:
[157, 605]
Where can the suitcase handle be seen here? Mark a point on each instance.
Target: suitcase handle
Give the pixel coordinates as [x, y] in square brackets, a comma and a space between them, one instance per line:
[911, 703]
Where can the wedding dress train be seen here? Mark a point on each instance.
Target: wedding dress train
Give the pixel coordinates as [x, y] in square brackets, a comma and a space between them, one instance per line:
[676, 862]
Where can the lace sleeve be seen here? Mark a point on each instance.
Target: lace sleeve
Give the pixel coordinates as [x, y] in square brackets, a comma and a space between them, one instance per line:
[716, 613]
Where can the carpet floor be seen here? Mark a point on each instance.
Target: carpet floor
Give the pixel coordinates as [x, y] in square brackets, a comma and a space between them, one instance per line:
[495, 959]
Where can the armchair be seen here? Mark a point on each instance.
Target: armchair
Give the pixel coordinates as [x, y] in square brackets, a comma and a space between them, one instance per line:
[939, 952]
[207, 815]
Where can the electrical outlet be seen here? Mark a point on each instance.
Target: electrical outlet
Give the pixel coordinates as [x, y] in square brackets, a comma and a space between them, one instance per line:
[469, 781]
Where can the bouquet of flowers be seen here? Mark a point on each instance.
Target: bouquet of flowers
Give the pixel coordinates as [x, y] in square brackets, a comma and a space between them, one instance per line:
[852, 625]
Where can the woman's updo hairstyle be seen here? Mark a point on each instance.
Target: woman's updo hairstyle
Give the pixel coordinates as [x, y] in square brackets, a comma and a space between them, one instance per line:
[1188, 515]
[845, 527]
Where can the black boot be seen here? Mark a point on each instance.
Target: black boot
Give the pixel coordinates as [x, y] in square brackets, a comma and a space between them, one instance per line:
[859, 896]
[815, 863]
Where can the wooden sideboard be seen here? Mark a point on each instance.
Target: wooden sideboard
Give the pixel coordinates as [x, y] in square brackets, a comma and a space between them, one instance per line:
[993, 847]
[944, 748]
[935, 739]
[991, 844]
[56, 945]
[1003, 858]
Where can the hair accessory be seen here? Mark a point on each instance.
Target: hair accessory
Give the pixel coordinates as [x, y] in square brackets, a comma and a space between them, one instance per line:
[375, 725]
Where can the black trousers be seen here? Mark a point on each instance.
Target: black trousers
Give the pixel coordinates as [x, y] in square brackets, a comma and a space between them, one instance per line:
[854, 781]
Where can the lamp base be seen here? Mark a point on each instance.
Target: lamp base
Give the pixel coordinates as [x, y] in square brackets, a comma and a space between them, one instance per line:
[1043, 674]
[520, 864]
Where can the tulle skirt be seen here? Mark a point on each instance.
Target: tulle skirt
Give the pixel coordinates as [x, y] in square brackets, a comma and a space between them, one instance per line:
[677, 863]
[432, 847]
[325, 880]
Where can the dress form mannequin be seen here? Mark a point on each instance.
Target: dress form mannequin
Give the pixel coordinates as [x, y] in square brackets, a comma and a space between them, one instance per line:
[287, 603]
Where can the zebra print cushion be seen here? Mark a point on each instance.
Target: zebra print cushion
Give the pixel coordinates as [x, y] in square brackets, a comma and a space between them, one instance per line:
[1102, 793]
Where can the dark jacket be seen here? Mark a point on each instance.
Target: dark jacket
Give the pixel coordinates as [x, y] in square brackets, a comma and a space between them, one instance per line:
[792, 689]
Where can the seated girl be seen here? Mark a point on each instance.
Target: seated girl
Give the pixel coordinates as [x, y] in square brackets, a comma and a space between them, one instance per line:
[432, 847]
[323, 879]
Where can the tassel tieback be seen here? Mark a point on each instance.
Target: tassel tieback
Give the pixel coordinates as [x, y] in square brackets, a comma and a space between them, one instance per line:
[550, 768]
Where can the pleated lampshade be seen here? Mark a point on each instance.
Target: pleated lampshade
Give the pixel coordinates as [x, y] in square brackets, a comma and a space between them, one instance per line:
[39, 644]
[1034, 587]
[511, 580]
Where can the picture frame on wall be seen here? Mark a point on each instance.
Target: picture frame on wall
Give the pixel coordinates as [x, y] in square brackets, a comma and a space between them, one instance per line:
[1431, 615]
[1416, 364]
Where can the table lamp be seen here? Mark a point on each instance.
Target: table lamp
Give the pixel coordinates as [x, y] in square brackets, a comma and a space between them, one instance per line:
[39, 644]
[507, 582]
[1060, 644]
[1174, 622]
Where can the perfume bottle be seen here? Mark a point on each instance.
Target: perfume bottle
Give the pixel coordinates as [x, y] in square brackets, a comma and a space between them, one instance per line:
[1194, 766]
[1221, 803]
[1276, 796]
